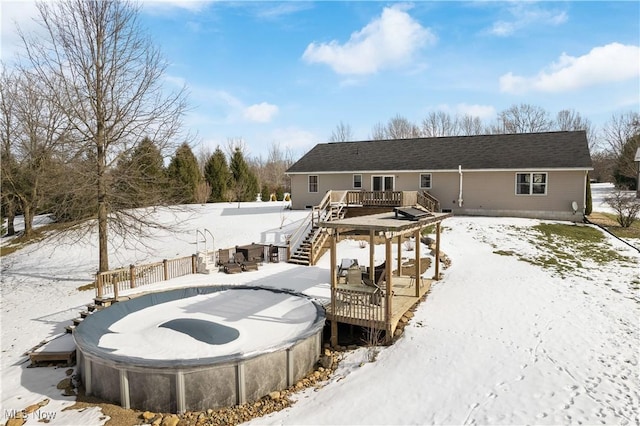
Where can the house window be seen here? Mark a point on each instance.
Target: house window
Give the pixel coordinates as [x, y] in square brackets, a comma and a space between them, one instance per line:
[313, 183]
[425, 180]
[531, 183]
[357, 181]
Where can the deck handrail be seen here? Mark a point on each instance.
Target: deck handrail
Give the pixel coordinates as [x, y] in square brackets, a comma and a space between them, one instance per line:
[313, 218]
[116, 280]
[428, 201]
[374, 198]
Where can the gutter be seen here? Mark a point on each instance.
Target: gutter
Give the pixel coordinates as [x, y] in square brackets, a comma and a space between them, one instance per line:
[460, 200]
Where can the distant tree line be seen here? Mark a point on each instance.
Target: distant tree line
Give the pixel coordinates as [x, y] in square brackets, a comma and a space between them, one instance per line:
[612, 147]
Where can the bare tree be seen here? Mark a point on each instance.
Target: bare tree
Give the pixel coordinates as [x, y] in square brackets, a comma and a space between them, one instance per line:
[235, 144]
[379, 132]
[106, 75]
[469, 125]
[277, 164]
[439, 123]
[618, 130]
[401, 128]
[621, 137]
[8, 131]
[523, 118]
[342, 133]
[570, 120]
[39, 131]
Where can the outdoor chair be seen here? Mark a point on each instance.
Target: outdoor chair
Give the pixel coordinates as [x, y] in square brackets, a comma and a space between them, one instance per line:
[343, 268]
[378, 272]
[245, 265]
[226, 264]
[379, 290]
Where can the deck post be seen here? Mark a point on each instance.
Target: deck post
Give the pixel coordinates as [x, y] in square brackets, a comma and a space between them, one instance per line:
[132, 276]
[437, 276]
[416, 237]
[388, 295]
[399, 265]
[332, 268]
[372, 238]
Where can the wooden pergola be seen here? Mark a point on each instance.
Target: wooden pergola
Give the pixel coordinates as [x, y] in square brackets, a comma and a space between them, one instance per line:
[391, 227]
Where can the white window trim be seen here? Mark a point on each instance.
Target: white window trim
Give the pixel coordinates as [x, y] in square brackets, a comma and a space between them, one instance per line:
[353, 181]
[309, 184]
[430, 181]
[531, 193]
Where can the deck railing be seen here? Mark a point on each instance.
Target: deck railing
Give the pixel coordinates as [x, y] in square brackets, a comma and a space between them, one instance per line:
[428, 201]
[111, 283]
[359, 305]
[374, 198]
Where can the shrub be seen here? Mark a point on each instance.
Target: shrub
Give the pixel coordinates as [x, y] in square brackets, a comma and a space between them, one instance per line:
[626, 206]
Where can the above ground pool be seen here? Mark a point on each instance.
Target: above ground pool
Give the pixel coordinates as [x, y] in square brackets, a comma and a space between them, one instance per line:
[198, 348]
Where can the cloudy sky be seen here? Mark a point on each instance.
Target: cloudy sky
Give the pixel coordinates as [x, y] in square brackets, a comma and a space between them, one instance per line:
[289, 72]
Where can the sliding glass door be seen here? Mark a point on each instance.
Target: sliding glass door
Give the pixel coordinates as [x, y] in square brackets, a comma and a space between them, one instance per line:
[382, 183]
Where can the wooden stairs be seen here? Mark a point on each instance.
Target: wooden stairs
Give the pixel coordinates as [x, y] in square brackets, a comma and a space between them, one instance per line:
[98, 303]
[312, 245]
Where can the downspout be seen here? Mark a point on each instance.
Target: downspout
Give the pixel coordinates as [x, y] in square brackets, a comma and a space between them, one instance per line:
[460, 192]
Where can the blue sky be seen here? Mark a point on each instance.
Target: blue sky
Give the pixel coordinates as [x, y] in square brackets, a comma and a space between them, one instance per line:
[288, 72]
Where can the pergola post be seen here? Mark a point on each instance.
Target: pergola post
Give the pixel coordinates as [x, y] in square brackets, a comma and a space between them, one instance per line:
[399, 264]
[388, 293]
[437, 276]
[333, 256]
[372, 238]
[416, 237]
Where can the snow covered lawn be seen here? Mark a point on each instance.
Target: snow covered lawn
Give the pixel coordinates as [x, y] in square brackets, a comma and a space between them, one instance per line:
[509, 336]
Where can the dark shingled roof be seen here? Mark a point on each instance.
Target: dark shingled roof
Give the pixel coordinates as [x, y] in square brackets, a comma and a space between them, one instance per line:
[549, 150]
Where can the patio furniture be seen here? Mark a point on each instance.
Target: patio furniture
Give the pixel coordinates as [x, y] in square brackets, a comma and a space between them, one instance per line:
[378, 272]
[343, 268]
[226, 263]
[245, 265]
[251, 252]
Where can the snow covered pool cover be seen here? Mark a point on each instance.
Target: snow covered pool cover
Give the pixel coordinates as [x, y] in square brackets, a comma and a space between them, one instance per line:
[199, 325]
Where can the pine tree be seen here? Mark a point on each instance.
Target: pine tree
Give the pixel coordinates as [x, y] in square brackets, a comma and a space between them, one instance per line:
[184, 174]
[141, 178]
[244, 182]
[216, 173]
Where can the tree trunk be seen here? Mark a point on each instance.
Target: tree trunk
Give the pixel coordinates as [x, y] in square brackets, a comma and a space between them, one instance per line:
[11, 216]
[28, 213]
[103, 253]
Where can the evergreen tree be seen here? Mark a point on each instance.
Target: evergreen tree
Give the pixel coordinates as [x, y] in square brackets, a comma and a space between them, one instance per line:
[244, 181]
[217, 175]
[141, 178]
[184, 174]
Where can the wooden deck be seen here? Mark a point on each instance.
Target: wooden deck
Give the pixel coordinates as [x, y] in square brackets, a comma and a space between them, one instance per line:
[357, 305]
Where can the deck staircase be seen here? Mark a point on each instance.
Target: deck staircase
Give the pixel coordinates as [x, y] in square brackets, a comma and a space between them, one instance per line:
[309, 240]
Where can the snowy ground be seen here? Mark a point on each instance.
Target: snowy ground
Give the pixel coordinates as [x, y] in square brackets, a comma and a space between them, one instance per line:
[498, 341]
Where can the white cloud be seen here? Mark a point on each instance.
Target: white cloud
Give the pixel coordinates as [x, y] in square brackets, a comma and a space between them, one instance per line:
[604, 64]
[261, 113]
[294, 138]
[165, 6]
[387, 41]
[524, 14]
[16, 14]
[483, 112]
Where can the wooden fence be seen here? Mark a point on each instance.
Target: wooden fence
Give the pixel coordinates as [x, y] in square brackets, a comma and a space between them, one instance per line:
[111, 283]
